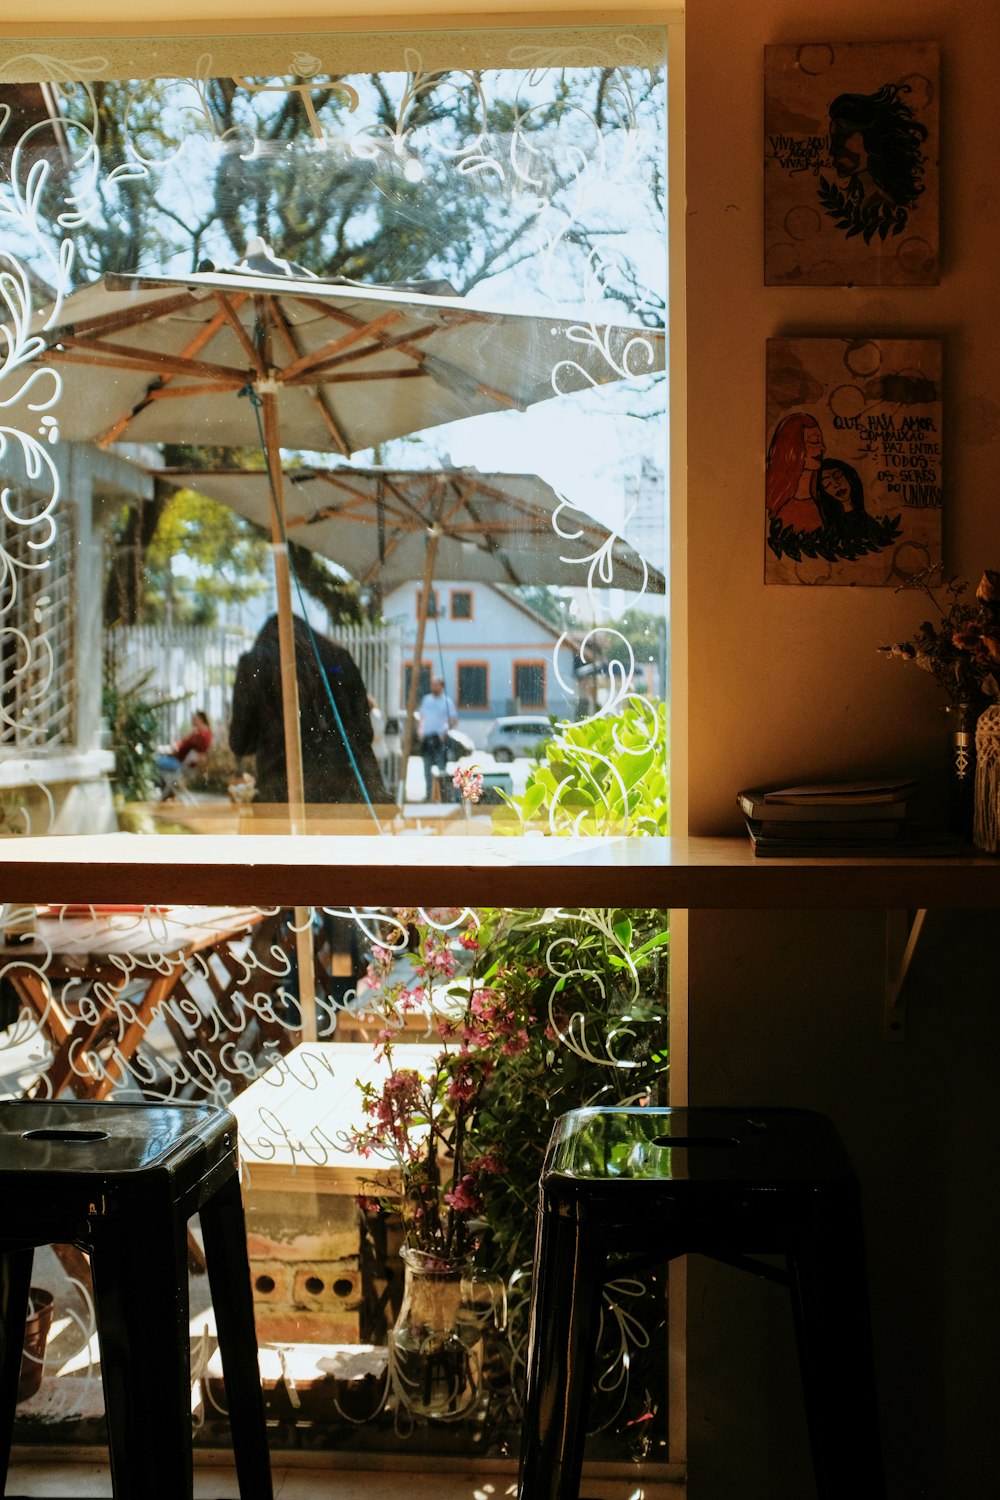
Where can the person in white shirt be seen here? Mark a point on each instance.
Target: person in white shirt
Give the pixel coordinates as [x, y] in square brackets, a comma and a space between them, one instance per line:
[436, 715]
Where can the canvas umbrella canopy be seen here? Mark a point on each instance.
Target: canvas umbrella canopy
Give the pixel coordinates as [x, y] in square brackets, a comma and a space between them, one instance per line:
[389, 526]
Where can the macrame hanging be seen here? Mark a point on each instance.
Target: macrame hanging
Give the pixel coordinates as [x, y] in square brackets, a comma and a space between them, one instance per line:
[986, 814]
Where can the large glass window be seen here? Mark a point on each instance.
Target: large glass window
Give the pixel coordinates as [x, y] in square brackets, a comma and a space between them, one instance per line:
[302, 336]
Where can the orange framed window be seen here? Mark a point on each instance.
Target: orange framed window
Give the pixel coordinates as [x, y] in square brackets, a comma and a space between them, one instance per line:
[473, 684]
[460, 606]
[432, 604]
[529, 683]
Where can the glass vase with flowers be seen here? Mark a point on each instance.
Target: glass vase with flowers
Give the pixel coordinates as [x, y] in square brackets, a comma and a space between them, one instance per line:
[533, 1012]
[417, 1120]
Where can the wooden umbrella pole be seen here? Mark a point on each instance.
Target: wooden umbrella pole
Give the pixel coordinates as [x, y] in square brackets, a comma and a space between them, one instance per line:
[434, 536]
[304, 953]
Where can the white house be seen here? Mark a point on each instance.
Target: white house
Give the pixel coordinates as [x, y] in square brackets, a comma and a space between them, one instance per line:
[496, 655]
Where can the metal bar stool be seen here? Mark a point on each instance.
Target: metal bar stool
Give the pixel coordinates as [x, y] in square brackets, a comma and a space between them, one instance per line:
[121, 1181]
[623, 1188]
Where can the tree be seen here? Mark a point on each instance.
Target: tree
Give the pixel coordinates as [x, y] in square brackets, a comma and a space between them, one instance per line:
[460, 176]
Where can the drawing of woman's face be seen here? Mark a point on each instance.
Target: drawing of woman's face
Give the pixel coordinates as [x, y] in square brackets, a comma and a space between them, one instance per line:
[837, 486]
[847, 148]
[812, 441]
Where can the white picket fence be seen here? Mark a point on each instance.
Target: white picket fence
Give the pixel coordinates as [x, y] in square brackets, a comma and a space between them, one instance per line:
[184, 667]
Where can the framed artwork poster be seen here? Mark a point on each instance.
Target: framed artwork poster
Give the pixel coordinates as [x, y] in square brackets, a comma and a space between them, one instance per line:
[851, 164]
[852, 482]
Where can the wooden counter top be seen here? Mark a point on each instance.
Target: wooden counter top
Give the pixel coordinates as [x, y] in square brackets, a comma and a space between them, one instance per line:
[410, 870]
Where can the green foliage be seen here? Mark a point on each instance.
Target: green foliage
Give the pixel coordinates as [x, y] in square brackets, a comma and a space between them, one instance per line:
[603, 776]
[638, 633]
[594, 984]
[548, 1011]
[552, 606]
[134, 723]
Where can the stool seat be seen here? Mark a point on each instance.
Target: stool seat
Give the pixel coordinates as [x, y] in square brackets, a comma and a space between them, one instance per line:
[626, 1187]
[121, 1181]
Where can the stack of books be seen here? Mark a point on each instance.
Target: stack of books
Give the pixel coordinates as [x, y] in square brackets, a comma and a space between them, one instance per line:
[837, 819]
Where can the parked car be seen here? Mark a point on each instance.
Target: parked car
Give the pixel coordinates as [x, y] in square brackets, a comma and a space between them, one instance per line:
[518, 734]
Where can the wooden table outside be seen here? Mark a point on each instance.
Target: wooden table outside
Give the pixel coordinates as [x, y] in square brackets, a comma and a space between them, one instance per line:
[295, 1121]
[95, 978]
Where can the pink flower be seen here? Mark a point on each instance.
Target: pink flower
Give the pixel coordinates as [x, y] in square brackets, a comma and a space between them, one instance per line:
[462, 1198]
[470, 780]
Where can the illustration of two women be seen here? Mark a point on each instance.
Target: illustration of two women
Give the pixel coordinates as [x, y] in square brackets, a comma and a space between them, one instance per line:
[816, 504]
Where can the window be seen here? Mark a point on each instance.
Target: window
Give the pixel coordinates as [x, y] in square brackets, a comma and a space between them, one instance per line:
[244, 137]
[529, 683]
[473, 684]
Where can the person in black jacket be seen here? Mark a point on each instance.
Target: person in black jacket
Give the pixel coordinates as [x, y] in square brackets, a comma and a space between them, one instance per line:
[256, 726]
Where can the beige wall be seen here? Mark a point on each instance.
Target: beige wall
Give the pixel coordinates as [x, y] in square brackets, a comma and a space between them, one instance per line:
[787, 681]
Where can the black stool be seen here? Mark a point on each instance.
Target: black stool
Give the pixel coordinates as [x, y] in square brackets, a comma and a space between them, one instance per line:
[623, 1188]
[121, 1181]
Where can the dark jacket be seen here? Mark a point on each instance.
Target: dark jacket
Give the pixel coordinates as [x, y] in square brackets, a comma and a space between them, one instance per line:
[257, 725]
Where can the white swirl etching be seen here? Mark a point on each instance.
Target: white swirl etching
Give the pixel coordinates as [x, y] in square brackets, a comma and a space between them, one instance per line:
[402, 136]
[635, 356]
[127, 1003]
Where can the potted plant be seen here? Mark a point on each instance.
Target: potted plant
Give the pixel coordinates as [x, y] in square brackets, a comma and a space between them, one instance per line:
[536, 1012]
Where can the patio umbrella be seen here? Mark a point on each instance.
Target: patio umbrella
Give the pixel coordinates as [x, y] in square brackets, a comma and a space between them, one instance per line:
[276, 358]
[388, 526]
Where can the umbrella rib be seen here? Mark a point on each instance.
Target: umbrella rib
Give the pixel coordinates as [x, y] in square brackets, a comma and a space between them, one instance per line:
[202, 338]
[127, 317]
[229, 314]
[341, 441]
[348, 377]
[320, 357]
[402, 342]
[497, 552]
[125, 357]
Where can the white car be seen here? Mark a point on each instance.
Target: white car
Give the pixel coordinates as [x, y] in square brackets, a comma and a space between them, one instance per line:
[518, 734]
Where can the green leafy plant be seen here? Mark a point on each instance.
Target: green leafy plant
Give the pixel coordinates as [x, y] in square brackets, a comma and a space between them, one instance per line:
[134, 724]
[606, 775]
[537, 1012]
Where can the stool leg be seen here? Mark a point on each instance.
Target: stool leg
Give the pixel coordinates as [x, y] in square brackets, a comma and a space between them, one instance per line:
[829, 1289]
[140, 1276]
[565, 1309]
[15, 1283]
[224, 1229]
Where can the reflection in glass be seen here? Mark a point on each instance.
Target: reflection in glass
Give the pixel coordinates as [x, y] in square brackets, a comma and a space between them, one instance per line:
[407, 327]
[379, 356]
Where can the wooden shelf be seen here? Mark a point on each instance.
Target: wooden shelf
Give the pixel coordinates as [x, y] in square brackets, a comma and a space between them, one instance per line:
[405, 870]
